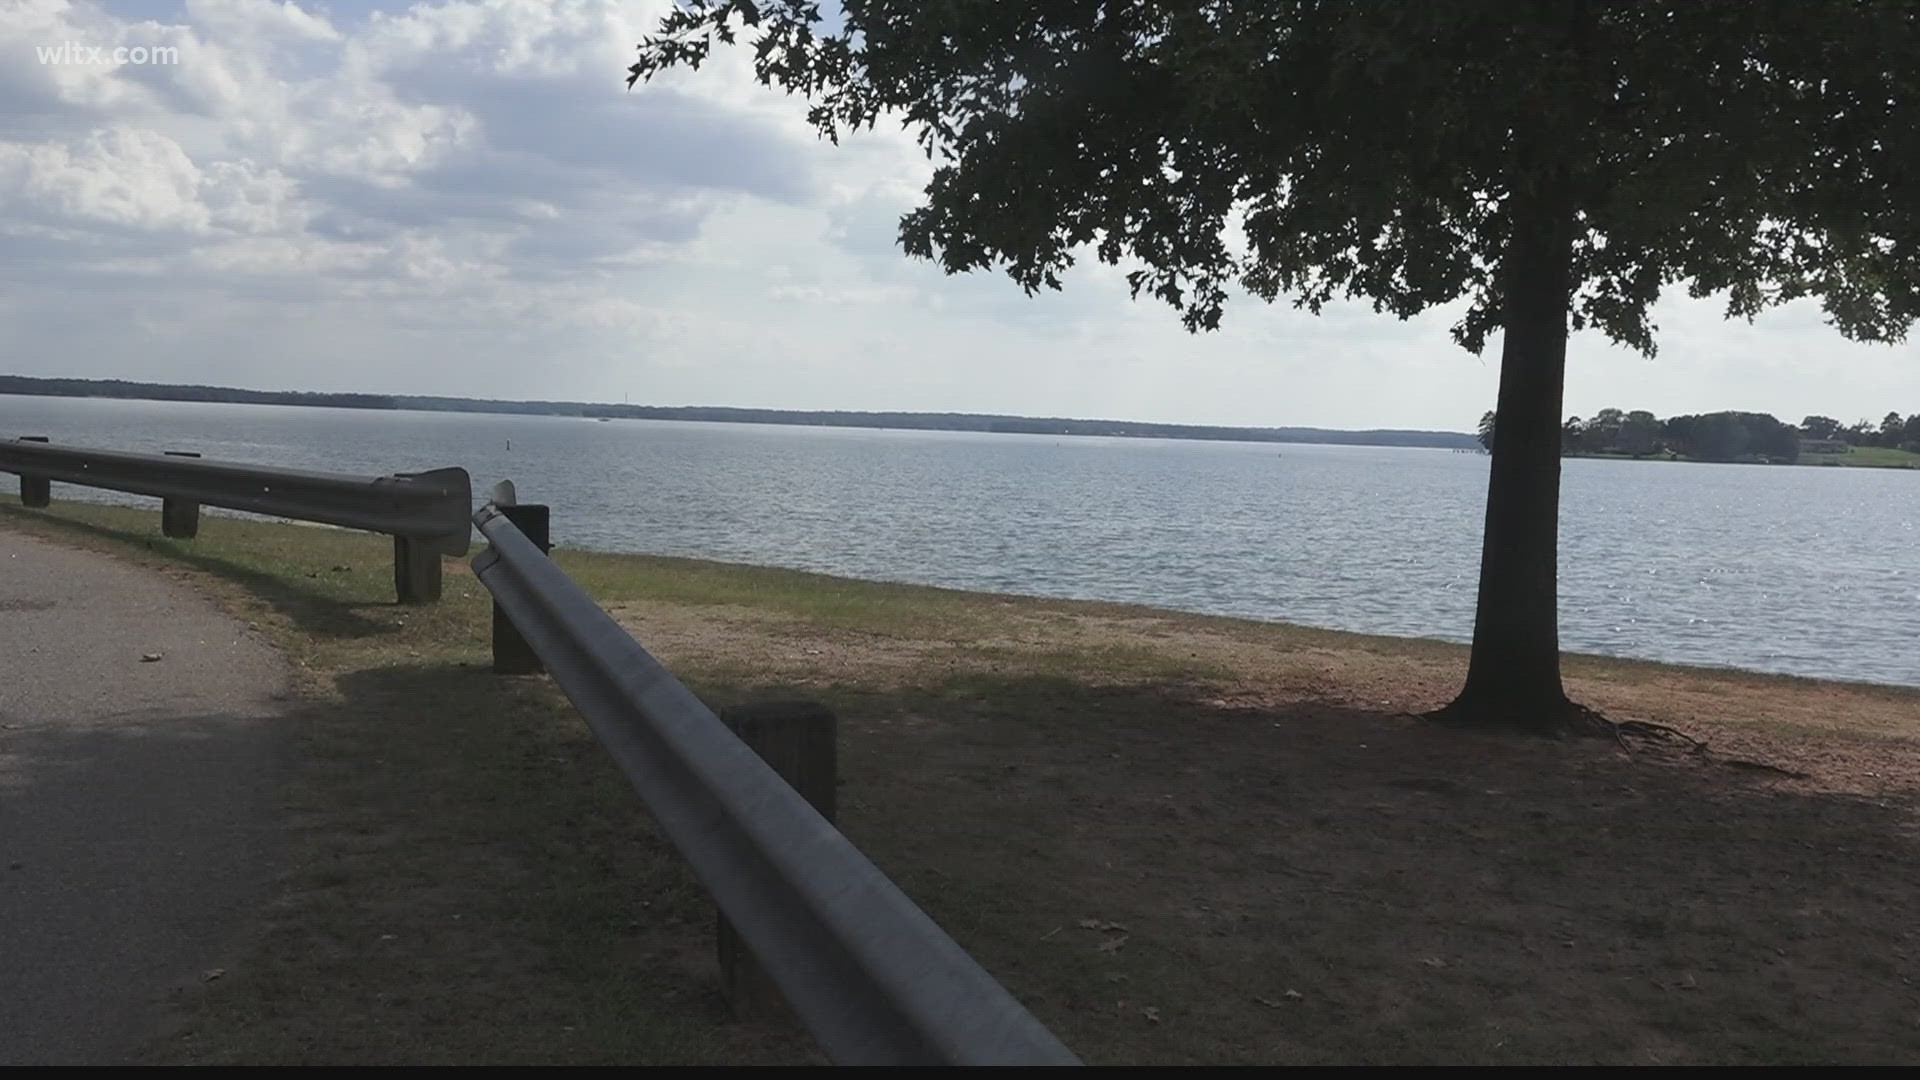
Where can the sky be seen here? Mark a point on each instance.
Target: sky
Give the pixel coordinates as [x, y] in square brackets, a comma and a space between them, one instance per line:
[463, 198]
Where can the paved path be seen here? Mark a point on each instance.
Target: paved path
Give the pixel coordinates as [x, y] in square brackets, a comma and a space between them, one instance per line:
[137, 799]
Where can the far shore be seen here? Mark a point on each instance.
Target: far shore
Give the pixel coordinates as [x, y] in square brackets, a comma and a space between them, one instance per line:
[1862, 457]
[993, 423]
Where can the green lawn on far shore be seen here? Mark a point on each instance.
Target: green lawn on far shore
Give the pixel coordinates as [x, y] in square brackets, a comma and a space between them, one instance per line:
[1179, 839]
[1867, 457]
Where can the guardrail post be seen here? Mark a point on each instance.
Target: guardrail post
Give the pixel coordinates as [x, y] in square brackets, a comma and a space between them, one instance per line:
[180, 518]
[35, 491]
[797, 738]
[416, 571]
[511, 653]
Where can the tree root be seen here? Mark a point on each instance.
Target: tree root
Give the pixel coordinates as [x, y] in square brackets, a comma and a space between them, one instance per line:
[1624, 732]
[1762, 766]
[1633, 737]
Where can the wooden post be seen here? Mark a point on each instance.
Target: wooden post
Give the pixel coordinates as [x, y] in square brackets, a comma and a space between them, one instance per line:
[180, 518]
[511, 653]
[798, 739]
[35, 491]
[416, 571]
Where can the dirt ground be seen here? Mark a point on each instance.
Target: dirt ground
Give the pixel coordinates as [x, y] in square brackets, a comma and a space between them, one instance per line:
[1193, 840]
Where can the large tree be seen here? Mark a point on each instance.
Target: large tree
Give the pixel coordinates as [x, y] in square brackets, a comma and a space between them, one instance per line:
[1893, 427]
[1552, 165]
[1820, 427]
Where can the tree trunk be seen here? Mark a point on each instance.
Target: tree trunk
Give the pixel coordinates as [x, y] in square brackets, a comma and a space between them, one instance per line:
[1513, 678]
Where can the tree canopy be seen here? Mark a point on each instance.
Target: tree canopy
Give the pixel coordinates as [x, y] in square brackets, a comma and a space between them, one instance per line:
[1318, 149]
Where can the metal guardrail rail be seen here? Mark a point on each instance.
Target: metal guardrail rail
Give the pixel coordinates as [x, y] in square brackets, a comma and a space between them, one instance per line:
[868, 972]
[428, 514]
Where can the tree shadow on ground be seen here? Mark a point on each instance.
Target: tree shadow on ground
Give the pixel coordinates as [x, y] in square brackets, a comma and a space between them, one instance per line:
[1161, 875]
[472, 881]
[1313, 882]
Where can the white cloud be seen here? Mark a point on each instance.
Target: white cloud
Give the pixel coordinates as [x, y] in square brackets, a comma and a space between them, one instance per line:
[117, 177]
[261, 22]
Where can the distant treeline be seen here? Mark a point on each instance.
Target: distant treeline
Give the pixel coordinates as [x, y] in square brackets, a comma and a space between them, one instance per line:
[116, 388]
[1723, 436]
[1031, 425]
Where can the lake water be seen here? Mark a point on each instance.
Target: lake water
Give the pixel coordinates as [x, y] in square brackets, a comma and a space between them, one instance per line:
[1794, 570]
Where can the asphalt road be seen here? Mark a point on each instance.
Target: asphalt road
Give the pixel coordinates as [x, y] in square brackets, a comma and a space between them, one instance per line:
[137, 799]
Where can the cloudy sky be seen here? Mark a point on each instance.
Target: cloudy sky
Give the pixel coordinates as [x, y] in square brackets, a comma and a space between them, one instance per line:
[463, 198]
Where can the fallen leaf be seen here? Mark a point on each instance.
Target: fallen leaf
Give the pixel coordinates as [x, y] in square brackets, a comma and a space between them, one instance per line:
[213, 974]
[1151, 1013]
[1434, 962]
[1113, 944]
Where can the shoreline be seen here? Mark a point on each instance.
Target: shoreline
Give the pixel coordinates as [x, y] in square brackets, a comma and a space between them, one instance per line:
[847, 419]
[1456, 647]
[1357, 638]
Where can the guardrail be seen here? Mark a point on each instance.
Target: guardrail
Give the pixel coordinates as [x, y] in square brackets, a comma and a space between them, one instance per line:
[868, 972]
[428, 514]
